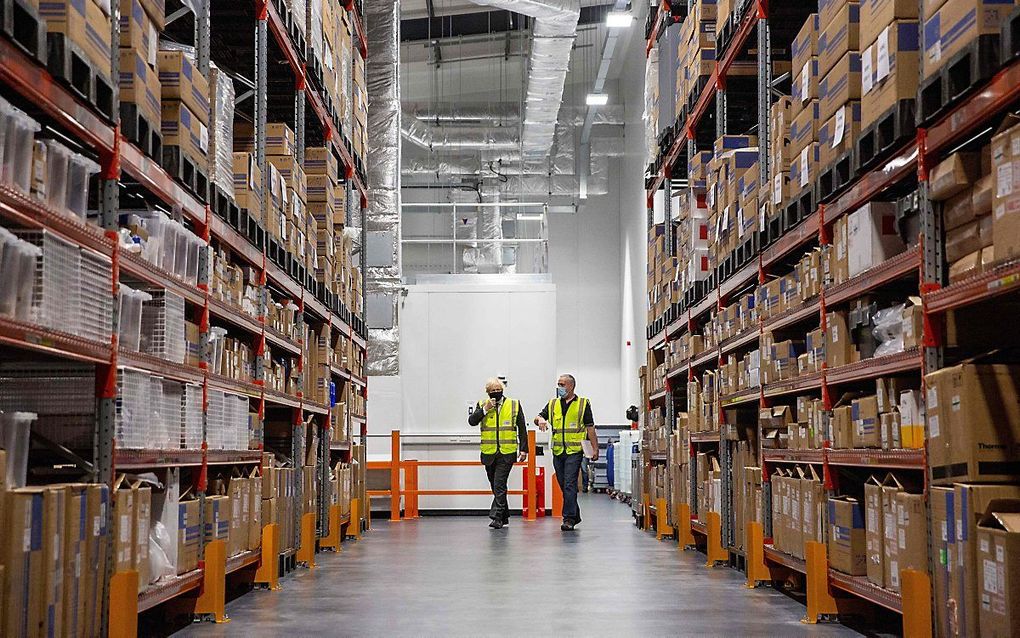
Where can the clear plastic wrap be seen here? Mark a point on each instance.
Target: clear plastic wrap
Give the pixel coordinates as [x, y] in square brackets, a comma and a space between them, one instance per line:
[216, 337]
[131, 317]
[160, 547]
[15, 430]
[17, 276]
[16, 146]
[888, 330]
[79, 170]
[221, 138]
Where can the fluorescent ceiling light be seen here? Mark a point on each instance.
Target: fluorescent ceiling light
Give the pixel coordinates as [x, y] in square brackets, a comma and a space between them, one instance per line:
[618, 19]
[597, 99]
[529, 217]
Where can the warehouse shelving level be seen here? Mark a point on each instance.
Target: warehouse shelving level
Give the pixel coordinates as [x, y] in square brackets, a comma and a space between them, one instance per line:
[120, 159]
[898, 172]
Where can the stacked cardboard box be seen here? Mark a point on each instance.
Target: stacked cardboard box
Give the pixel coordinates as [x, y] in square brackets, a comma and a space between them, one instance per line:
[87, 27]
[951, 27]
[184, 111]
[1005, 160]
[140, 88]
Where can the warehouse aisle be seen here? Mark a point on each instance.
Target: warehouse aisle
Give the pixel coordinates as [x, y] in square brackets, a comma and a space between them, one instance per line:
[455, 576]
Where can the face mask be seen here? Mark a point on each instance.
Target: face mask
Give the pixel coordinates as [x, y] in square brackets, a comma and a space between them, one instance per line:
[561, 392]
[495, 396]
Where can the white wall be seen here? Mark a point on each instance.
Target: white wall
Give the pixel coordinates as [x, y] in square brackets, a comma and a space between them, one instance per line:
[584, 262]
[633, 216]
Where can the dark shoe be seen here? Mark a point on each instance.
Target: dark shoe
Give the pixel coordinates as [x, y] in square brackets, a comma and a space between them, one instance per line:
[506, 523]
[567, 527]
[496, 525]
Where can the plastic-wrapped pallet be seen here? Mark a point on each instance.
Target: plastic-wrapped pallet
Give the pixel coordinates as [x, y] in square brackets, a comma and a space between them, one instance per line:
[63, 397]
[299, 10]
[163, 326]
[221, 136]
[314, 34]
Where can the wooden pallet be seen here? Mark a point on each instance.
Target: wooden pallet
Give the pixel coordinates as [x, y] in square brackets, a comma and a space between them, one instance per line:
[67, 63]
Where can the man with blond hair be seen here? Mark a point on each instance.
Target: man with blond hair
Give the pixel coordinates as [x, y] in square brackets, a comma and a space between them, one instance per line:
[504, 441]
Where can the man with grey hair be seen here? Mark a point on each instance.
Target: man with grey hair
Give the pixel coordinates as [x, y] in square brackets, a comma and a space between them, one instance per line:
[572, 422]
[504, 441]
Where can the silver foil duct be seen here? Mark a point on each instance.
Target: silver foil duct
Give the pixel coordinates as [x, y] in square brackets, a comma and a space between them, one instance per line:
[553, 36]
[382, 219]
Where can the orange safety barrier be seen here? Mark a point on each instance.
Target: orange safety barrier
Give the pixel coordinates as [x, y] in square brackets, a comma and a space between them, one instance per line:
[410, 491]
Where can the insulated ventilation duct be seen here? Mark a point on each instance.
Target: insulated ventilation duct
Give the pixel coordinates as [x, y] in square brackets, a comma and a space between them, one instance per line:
[432, 137]
[553, 34]
[382, 219]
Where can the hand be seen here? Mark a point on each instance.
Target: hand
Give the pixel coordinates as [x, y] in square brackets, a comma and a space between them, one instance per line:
[595, 456]
[488, 405]
[541, 423]
[522, 457]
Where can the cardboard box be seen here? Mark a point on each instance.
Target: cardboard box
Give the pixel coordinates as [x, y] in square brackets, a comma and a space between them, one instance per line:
[911, 420]
[97, 531]
[840, 85]
[138, 33]
[85, 25]
[182, 82]
[239, 504]
[320, 160]
[188, 536]
[839, 36]
[963, 240]
[75, 556]
[182, 128]
[1006, 199]
[838, 345]
[139, 85]
[958, 210]
[973, 422]
[911, 536]
[867, 432]
[156, 10]
[889, 71]
[142, 496]
[248, 183]
[254, 511]
[804, 168]
[874, 534]
[955, 25]
[891, 488]
[123, 526]
[280, 140]
[890, 425]
[805, 85]
[842, 427]
[291, 173]
[954, 175]
[55, 507]
[217, 519]
[943, 534]
[827, 10]
[998, 558]
[847, 542]
[804, 128]
[805, 45]
[25, 562]
[812, 500]
[872, 236]
[970, 503]
[838, 134]
[877, 14]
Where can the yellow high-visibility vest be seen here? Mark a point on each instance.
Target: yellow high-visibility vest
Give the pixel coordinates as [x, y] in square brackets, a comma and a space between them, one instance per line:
[499, 427]
[567, 429]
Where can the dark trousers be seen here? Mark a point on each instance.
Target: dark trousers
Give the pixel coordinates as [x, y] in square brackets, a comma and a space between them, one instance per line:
[497, 468]
[567, 467]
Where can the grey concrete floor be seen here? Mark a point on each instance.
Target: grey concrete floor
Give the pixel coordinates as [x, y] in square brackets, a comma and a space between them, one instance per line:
[446, 576]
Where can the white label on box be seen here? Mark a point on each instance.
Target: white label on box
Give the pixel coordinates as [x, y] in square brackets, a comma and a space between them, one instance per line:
[125, 528]
[1015, 145]
[894, 574]
[991, 580]
[77, 566]
[882, 64]
[954, 403]
[777, 189]
[805, 82]
[984, 545]
[761, 215]
[837, 133]
[804, 167]
[933, 398]
[95, 526]
[935, 54]
[945, 532]
[867, 77]
[1004, 180]
[203, 137]
[903, 538]
[933, 425]
[999, 553]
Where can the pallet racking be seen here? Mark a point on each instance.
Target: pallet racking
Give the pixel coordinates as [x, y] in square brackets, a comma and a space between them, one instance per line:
[272, 49]
[902, 169]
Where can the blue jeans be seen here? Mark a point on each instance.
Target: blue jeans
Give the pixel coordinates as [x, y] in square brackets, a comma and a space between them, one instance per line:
[567, 468]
